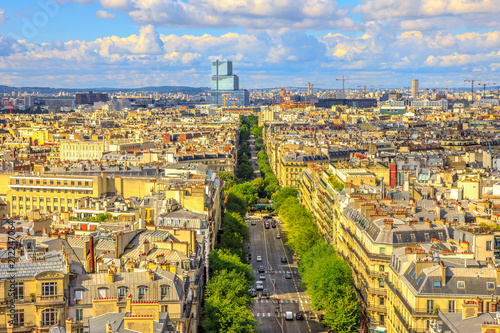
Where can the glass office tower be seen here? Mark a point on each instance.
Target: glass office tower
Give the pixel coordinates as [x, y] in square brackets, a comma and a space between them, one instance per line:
[224, 82]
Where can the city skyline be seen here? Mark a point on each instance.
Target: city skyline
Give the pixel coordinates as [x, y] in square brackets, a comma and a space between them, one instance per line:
[122, 43]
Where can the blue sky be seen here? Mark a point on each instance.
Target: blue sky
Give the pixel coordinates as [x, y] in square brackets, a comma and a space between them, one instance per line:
[134, 43]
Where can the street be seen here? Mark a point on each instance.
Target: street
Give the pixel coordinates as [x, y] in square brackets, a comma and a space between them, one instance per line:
[292, 297]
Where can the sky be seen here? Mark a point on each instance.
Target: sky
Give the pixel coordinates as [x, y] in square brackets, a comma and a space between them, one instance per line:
[273, 43]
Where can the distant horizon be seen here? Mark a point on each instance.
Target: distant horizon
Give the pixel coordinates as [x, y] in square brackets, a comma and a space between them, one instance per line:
[139, 43]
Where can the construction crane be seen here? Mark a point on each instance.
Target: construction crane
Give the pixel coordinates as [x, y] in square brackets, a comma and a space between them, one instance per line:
[343, 79]
[364, 89]
[234, 99]
[484, 87]
[310, 87]
[471, 88]
[224, 96]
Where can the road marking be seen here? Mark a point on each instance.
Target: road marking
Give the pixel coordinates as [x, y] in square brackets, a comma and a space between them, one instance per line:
[257, 314]
[269, 314]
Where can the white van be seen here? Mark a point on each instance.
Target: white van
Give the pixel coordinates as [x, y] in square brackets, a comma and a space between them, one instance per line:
[259, 285]
[289, 315]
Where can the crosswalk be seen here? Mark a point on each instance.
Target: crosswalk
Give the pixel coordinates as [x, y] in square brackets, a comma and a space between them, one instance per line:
[283, 301]
[275, 272]
[263, 314]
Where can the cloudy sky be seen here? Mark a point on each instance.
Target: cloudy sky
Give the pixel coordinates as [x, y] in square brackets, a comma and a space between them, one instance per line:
[273, 43]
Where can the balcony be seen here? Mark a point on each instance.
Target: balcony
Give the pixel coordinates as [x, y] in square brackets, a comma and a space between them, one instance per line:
[50, 299]
[378, 291]
[377, 308]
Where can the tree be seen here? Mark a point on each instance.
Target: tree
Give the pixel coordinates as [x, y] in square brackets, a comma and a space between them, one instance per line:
[227, 304]
[236, 204]
[245, 172]
[222, 259]
[246, 192]
[279, 197]
[226, 176]
[260, 184]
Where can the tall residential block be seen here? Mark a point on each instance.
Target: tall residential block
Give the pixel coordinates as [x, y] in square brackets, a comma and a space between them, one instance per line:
[414, 88]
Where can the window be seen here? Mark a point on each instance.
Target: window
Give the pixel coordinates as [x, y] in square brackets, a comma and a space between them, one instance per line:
[436, 284]
[381, 268]
[55, 200]
[102, 292]
[413, 274]
[142, 292]
[122, 292]
[79, 314]
[430, 306]
[381, 301]
[382, 319]
[419, 279]
[382, 250]
[78, 295]
[17, 317]
[164, 291]
[488, 246]
[41, 199]
[20, 198]
[451, 306]
[18, 289]
[490, 285]
[49, 317]
[13, 198]
[461, 284]
[381, 283]
[49, 288]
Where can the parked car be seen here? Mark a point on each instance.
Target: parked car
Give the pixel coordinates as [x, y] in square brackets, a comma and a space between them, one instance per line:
[299, 316]
[259, 258]
[288, 275]
[289, 315]
[283, 259]
[252, 292]
[278, 236]
[262, 276]
[261, 269]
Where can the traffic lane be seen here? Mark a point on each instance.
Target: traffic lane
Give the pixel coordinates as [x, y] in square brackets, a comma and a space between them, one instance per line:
[286, 289]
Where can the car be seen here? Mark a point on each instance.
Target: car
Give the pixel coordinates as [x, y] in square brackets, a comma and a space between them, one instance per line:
[283, 259]
[247, 217]
[267, 225]
[288, 275]
[261, 269]
[289, 315]
[265, 292]
[278, 236]
[252, 292]
[259, 285]
[253, 222]
[299, 316]
[273, 224]
[259, 258]
[262, 276]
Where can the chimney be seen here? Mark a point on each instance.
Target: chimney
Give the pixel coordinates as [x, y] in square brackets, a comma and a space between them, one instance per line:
[490, 327]
[129, 303]
[108, 327]
[91, 254]
[151, 275]
[438, 212]
[497, 271]
[428, 223]
[68, 325]
[443, 273]
[412, 222]
[469, 309]
[388, 223]
[111, 276]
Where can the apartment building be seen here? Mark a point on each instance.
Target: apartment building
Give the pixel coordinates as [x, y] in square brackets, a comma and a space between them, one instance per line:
[426, 280]
[76, 150]
[50, 193]
[38, 291]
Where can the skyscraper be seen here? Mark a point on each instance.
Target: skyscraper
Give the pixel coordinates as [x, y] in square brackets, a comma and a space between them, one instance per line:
[226, 85]
[414, 88]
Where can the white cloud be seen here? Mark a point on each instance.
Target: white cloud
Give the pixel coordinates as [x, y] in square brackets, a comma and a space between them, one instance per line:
[2, 16]
[102, 14]
[121, 5]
